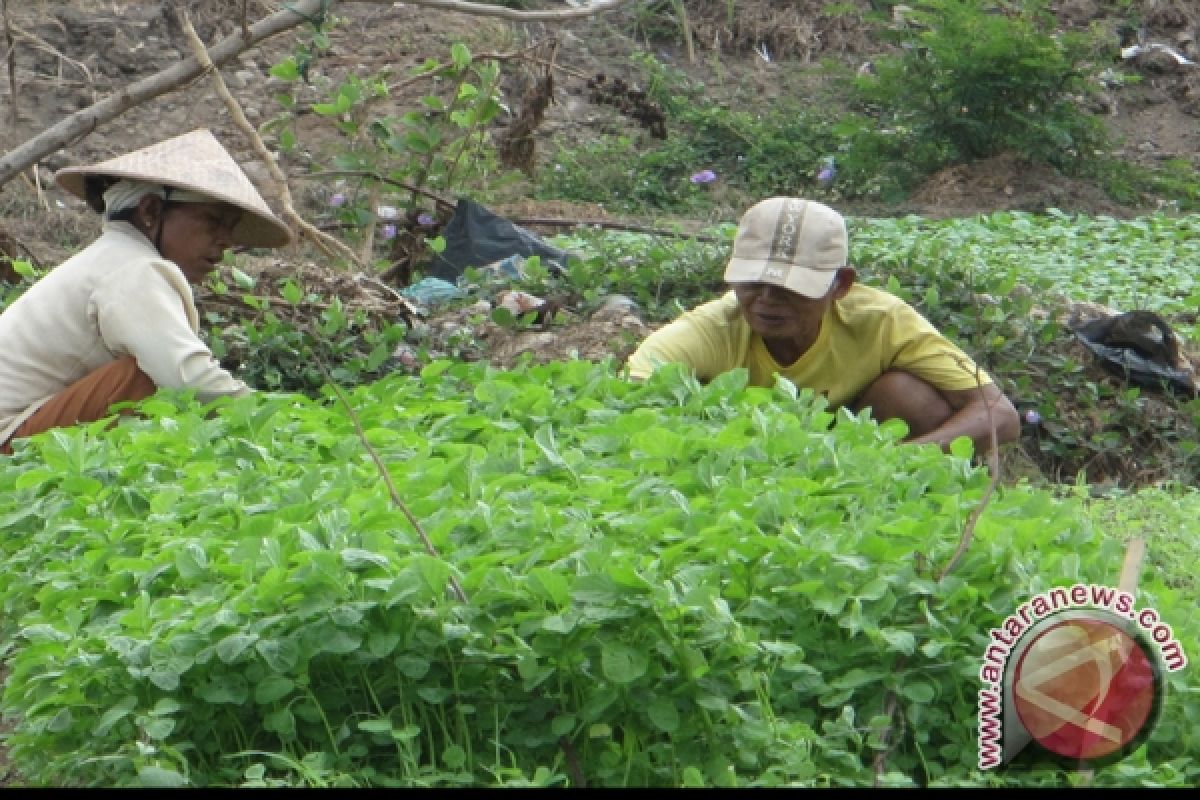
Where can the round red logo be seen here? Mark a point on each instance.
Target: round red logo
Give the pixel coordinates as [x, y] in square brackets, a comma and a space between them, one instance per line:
[1084, 688]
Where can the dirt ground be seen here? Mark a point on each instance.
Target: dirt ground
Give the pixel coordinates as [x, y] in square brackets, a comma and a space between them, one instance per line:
[69, 54]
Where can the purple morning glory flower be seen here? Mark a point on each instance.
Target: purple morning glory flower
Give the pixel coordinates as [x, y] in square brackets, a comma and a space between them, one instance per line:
[388, 231]
[337, 200]
[425, 220]
[1033, 417]
[704, 176]
[827, 172]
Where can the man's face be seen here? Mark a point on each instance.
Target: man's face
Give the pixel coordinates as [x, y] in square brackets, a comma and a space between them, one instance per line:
[196, 235]
[777, 313]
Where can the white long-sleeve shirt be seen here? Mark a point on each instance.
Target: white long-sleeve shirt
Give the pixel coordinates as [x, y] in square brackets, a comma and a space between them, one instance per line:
[117, 297]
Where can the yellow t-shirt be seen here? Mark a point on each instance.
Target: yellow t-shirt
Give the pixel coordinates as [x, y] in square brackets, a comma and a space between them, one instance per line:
[863, 335]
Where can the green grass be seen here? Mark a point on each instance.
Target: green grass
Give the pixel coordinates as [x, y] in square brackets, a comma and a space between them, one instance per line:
[1167, 517]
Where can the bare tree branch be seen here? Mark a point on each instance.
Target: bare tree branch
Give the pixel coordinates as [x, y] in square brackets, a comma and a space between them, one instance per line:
[83, 122]
[485, 10]
[387, 477]
[331, 246]
[10, 59]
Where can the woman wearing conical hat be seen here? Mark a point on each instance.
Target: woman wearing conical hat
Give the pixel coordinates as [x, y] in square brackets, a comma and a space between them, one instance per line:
[117, 321]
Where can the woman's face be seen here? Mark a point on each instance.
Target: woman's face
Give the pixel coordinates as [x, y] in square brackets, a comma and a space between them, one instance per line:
[195, 235]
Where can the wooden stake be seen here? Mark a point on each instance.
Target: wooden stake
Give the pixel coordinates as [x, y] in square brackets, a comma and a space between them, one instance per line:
[1134, 554]
[1135, 551]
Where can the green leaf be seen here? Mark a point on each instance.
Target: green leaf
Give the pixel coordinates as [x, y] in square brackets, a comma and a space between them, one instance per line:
[355, 559]
[281, 721]
[622, 664]
[241, 279]
[224, 689]
[286, 70]
[272, 688]
[382, 725]
[158, 728]
[160, 778]
[454, 757]
[231, 647]
[114, 715]
[856, 677]
[281, 655]
[291, 292]
[919, 692]
[164, 706]
[663, 714]
[544, 438]
[900, 641]
[550, 585]
[460, 54]
[563, 724]
[503, 317]
[962, 447]
[32, 478]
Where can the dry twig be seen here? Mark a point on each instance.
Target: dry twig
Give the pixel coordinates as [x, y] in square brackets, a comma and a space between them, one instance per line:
[327, 243]
[10, 59]
[84, 121]
[387, 478]
[41, 44]
[485, 10]
[994, 465]
[964, 542]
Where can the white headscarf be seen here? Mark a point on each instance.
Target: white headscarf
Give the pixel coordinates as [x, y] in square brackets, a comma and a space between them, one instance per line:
[126, 193]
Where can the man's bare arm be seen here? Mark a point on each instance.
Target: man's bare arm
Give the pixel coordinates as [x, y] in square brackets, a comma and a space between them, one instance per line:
[975, 412]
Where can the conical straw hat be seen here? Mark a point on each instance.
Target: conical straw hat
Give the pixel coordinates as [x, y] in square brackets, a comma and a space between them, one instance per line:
[194, 161]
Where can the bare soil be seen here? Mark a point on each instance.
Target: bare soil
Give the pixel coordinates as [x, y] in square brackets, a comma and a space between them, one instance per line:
[68, 54]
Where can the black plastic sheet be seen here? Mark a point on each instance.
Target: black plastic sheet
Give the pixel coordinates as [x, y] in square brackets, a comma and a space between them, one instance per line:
[1141, 347]
[477, 237]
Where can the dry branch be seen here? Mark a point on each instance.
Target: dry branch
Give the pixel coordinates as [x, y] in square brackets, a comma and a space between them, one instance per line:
[331, 246]
[554, 222]
[10, 59]
[891, 705]
[83, 122]
[41, 44]
[484, 10]
[387, 478]
[326, 243]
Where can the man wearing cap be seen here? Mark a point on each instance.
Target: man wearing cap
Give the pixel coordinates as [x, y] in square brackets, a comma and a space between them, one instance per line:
[796, 311]
[117, 320]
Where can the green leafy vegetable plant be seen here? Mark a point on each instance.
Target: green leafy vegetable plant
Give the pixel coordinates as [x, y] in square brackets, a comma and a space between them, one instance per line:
[666, 584]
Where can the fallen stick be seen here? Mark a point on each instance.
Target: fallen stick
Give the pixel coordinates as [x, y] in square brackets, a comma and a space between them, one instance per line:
[84, 121]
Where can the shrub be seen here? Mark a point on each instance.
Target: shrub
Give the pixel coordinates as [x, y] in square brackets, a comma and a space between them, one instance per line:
[984, 77]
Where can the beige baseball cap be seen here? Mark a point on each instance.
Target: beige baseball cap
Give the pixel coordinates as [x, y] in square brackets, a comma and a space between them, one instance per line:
[197, 162]
[789, 242]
